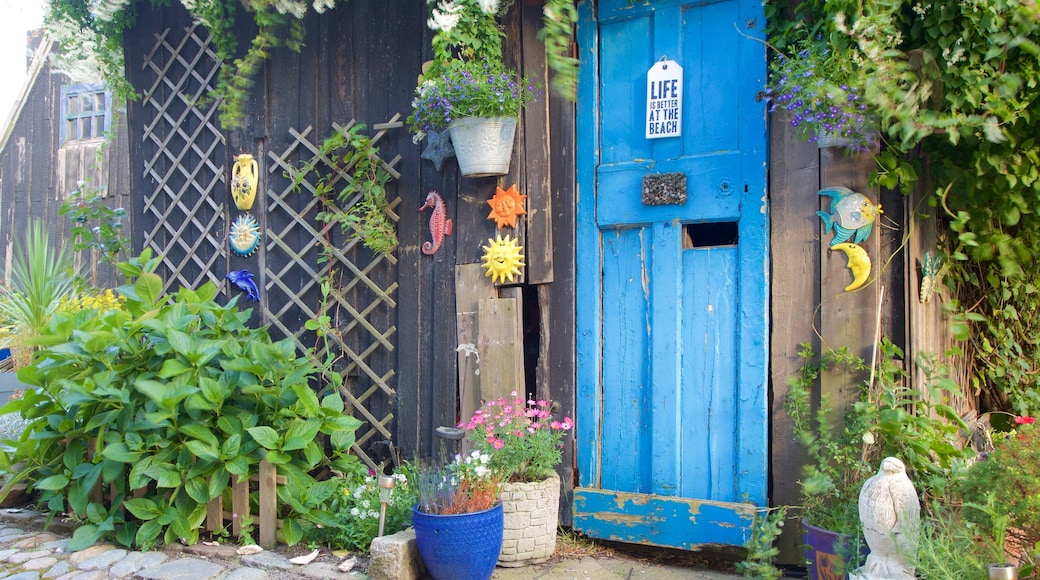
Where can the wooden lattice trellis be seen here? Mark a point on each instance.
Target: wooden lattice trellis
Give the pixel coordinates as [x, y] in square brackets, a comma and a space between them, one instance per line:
[360, 300]
[184, 217]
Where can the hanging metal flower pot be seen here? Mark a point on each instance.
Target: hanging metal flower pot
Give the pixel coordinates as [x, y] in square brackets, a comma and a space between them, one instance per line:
[483, 145]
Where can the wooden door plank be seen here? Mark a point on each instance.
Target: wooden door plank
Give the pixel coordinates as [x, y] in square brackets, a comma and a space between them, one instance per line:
[794, 179]
[471, 286]
[661, 521]
[500, 355]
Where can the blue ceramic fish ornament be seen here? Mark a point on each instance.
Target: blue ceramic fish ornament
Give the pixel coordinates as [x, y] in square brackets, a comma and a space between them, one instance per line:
[244, 280]
[851, 214]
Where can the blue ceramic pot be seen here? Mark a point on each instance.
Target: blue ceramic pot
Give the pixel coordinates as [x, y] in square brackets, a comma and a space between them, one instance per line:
[461, 546]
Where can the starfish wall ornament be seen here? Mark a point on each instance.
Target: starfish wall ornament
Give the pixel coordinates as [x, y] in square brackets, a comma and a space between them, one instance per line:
[438, 148]
[506, 206]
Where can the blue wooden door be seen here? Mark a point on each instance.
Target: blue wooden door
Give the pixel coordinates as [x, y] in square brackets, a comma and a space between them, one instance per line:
[672, 278]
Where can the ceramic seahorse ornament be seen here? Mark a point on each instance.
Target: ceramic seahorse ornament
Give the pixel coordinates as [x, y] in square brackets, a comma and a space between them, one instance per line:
[440, 225]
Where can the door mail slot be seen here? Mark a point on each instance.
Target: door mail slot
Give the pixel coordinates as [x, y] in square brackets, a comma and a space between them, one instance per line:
[711, 234]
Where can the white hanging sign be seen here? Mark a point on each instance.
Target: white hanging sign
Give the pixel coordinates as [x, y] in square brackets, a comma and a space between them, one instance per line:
[664, 85]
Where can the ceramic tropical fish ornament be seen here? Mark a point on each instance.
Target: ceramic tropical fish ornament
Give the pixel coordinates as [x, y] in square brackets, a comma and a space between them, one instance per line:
[852, 215]
[243, 181]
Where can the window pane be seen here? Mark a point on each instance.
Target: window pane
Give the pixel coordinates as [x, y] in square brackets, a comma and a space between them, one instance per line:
[73, 105]
[85, 128]
[87, 102]
[71, 130]
[99, 101]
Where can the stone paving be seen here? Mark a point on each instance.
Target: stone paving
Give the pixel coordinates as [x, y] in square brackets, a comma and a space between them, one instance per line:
[27, 552]
[32, 550]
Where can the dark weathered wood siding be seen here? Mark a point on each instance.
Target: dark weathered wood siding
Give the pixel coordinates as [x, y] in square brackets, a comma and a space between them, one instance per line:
[360, 62]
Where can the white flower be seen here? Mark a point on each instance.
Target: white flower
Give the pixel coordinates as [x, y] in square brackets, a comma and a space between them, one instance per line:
[321, 6]
[868, 438]
[355, 512]
[488, 6]
[445, 16]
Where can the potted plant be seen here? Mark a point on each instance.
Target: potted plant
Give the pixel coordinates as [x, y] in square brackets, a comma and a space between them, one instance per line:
[467, 90]
[836, 469]
[885, 418]
[822, 90]
[524, 444]
[458, 518]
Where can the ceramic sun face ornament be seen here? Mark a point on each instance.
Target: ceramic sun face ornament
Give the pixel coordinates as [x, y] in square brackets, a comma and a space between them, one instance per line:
[245, 235]
[243, 181]
[506, 206]
[502, 259]
[852, 215]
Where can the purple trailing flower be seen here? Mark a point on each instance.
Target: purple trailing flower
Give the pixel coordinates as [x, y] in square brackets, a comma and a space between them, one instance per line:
[467, 89]
[830, 101]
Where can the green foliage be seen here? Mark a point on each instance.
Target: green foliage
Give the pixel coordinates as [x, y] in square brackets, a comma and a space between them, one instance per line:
[884, 419]
[954, 88]
[558, 18]
[357, 180]
[1007, 484]
[96, 226]
[354, 508]
[761, 551]
[102, 25]
[162, 402]
[468, 30]
[951, 548]
[42, 275]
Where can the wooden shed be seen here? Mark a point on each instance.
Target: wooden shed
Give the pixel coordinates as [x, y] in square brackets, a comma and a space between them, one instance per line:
[673, 254]
[60, 133]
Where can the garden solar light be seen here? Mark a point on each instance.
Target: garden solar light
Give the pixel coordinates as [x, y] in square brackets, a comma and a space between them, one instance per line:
[386, 489]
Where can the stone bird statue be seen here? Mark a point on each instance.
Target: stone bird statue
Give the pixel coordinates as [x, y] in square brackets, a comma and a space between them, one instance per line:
[891, 515]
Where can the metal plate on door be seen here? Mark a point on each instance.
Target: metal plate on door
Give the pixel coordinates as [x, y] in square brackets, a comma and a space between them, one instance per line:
[664, 189]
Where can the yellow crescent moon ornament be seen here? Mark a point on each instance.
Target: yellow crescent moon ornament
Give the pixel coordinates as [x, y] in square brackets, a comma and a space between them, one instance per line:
[243, 181]
[858, 263]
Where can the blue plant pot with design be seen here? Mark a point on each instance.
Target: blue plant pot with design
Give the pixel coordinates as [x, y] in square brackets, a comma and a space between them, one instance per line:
[830, 555]
[459, 546]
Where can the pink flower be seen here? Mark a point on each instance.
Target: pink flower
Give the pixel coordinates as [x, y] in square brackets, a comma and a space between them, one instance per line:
[567, 424]
[1025, 420]
[498, 443]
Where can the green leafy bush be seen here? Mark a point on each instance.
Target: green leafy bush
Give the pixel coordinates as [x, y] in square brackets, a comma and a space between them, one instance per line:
[355, 510]
[1008, 482]
[886, 418]
[160, 403]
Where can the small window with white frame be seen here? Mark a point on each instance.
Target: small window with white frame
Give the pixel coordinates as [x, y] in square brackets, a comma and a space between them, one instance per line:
[86, 112]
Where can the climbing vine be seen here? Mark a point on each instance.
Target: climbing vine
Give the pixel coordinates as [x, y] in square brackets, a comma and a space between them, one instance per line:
[95, 30]
[351, 152]
[954, 87]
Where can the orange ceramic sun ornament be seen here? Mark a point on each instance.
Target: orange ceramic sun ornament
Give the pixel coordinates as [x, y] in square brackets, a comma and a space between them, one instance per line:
[506, 206]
